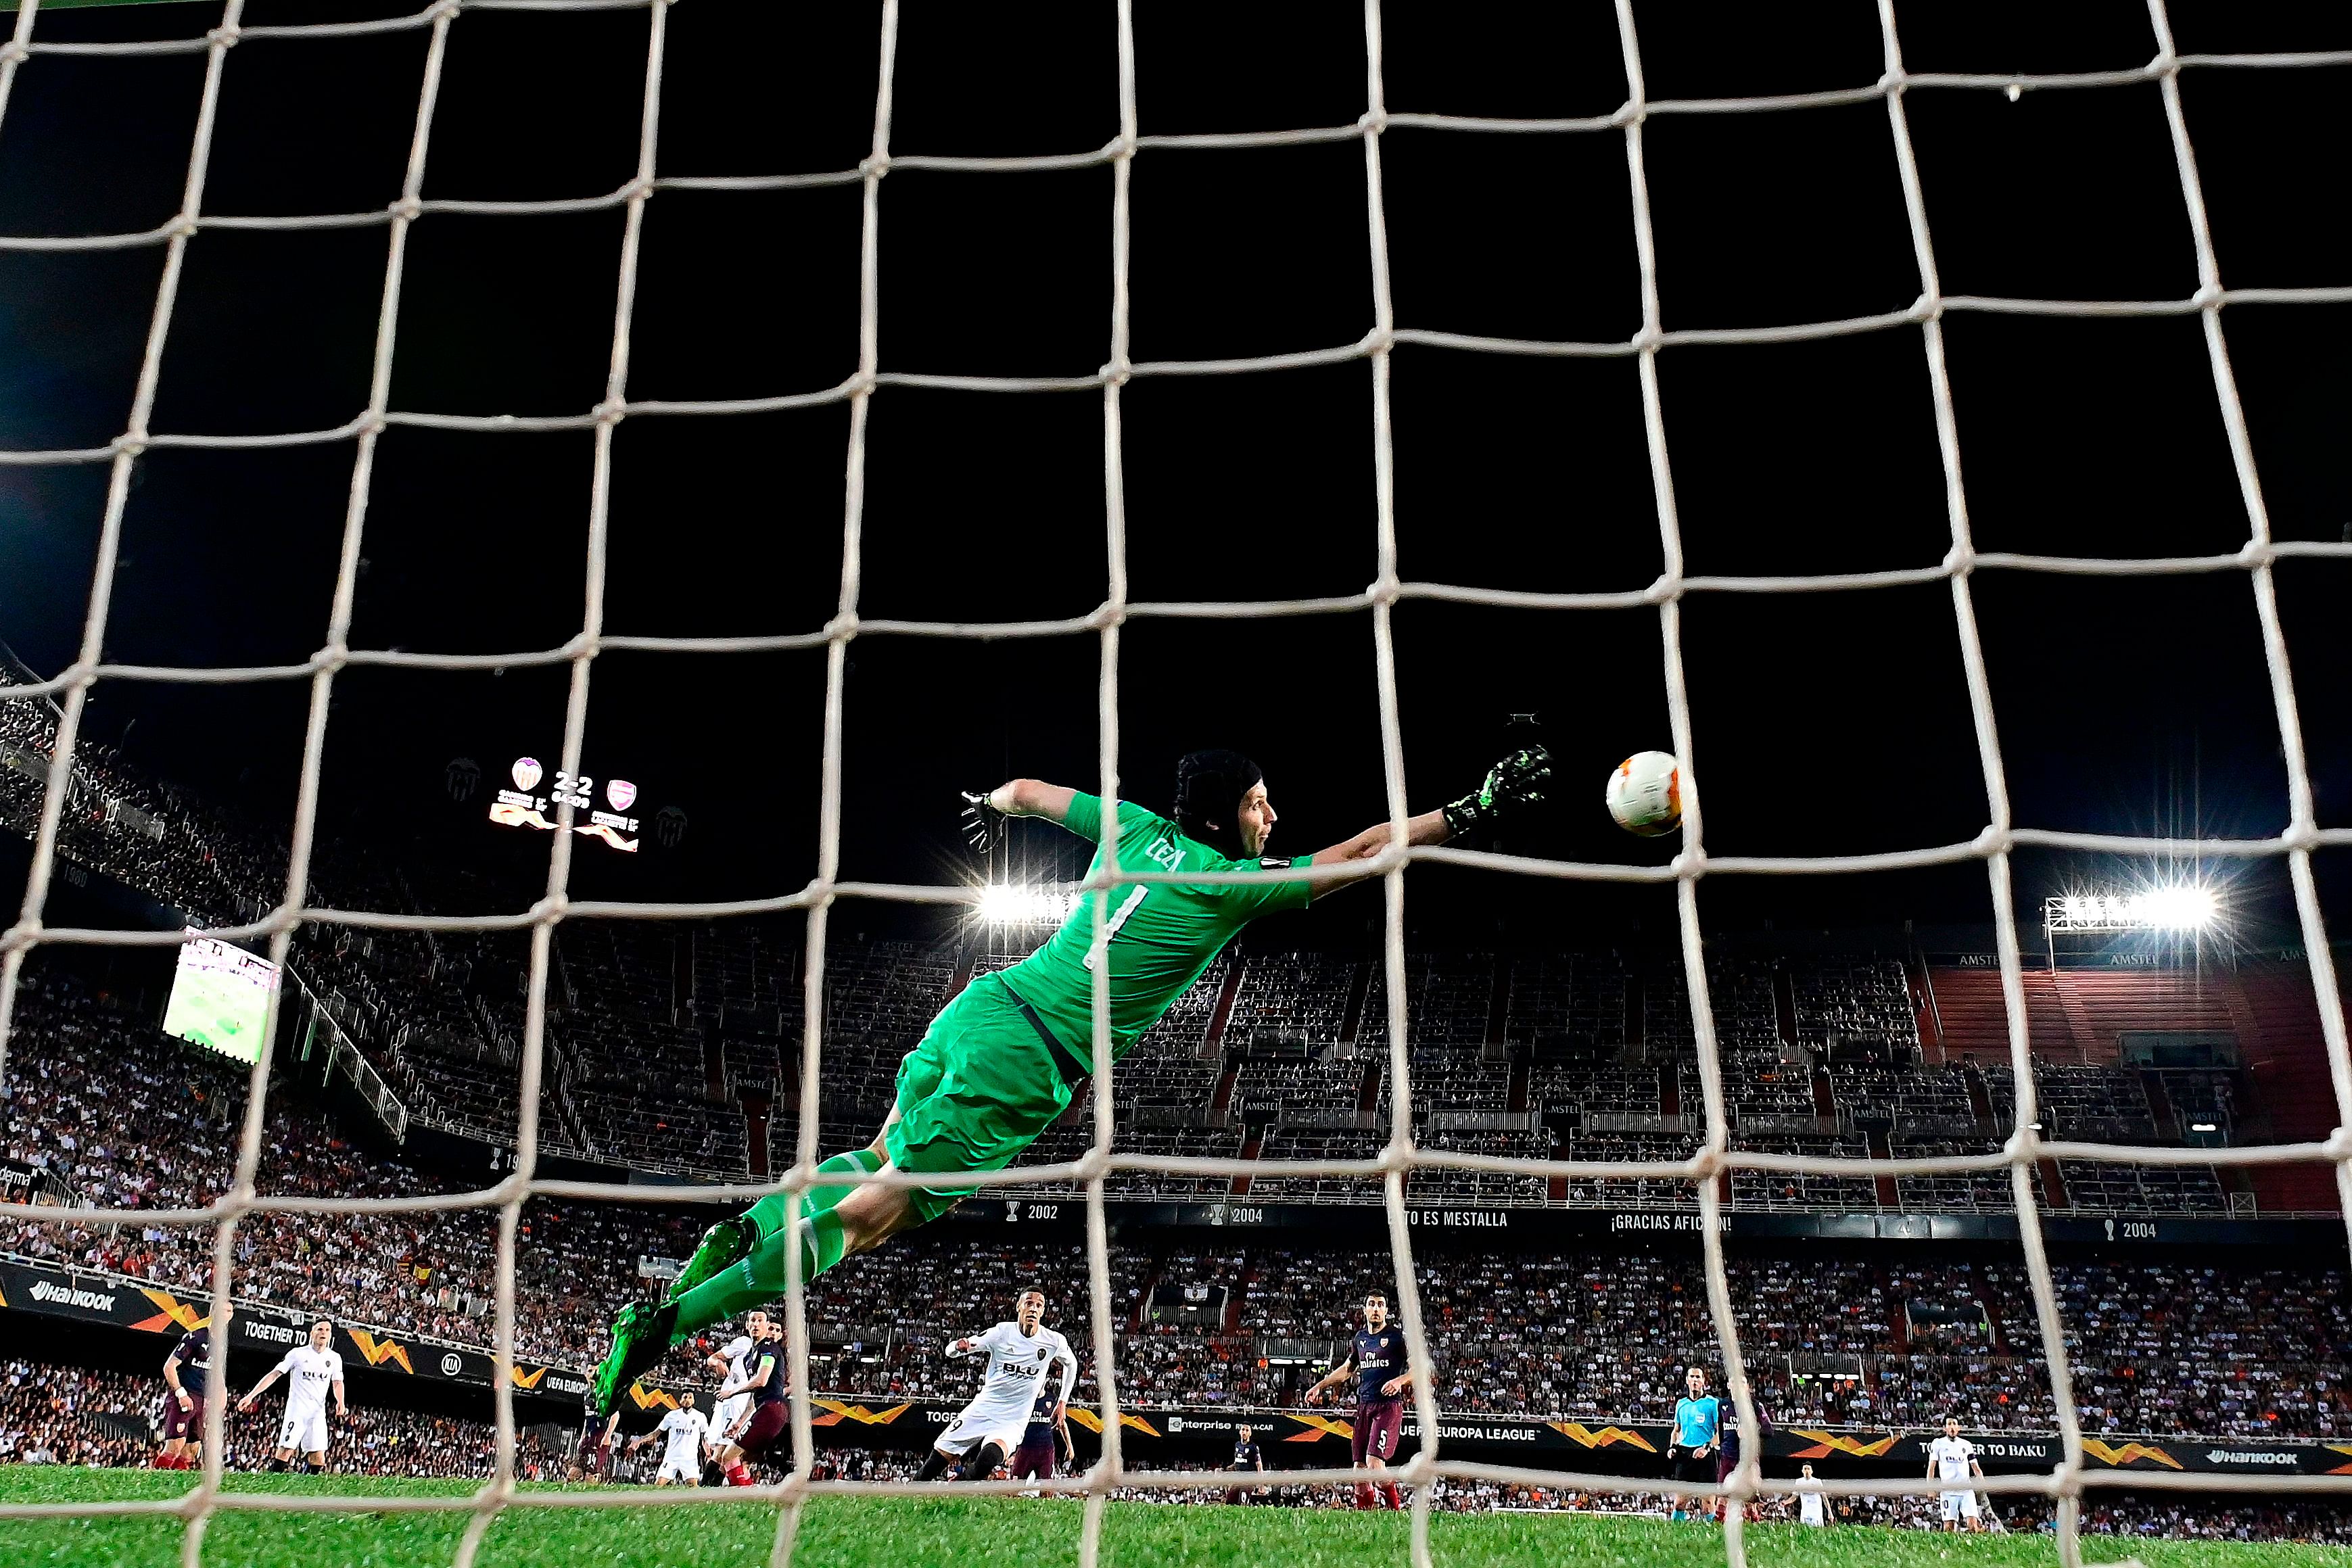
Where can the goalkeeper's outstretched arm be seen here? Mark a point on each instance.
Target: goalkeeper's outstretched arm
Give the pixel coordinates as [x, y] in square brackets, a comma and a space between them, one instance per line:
[1516, 781]
[985, 815]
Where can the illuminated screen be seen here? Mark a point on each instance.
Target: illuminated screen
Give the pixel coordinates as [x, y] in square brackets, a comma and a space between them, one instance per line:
[220, 998]
[524, 807]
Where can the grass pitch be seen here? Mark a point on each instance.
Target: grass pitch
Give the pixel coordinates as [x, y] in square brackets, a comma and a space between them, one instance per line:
[982, 1532]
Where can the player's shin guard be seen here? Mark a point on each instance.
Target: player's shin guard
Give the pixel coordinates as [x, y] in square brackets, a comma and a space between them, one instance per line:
[1395, 1496]
[760, 1278]
[1364, 1495]
[935, 1465]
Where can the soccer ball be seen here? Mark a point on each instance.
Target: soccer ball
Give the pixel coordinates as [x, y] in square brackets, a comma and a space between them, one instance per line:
[1645, 793]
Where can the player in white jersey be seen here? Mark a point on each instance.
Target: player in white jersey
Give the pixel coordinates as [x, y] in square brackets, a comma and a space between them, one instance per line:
[1952, 1458]
[989, 1429]
[1813, 1503]
[729, 1364]
[310, 1370]
[683, 1430]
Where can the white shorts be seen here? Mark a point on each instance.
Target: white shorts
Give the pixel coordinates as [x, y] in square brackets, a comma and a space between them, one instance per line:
[1959, 1505]
[680, 1471]
[724, 1416]
[304, 1432]
[974, 1427]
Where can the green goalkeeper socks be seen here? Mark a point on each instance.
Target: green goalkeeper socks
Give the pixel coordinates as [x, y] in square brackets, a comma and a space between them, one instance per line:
[730, 1241]
[760, 1278]
[768, 1214]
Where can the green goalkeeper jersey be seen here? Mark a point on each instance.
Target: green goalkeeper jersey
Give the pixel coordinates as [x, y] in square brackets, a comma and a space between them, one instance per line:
[1163, 935]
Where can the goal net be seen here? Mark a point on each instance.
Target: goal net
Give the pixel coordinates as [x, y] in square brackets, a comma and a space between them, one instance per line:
[1992, 847]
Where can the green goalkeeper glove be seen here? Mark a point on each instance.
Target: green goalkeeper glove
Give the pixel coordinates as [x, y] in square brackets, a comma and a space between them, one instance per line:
[1516, 781]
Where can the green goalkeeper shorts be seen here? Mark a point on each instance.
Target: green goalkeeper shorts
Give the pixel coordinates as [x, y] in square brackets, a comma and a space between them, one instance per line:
[978, 1090]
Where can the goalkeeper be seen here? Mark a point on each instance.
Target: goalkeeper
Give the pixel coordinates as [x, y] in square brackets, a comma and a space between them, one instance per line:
[1004, 1058]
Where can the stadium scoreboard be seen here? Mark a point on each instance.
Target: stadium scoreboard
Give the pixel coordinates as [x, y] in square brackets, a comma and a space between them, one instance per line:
[220, 998]
[525, 806]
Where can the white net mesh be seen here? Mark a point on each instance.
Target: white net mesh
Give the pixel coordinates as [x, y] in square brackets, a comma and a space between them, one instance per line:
[1993, 846]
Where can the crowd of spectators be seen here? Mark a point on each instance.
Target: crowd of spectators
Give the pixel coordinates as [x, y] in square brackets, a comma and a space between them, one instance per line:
[126, 1118]
[2154, 1348]
[141, 830]
[114, 1114]
[2158, 1347]
[657, 1033]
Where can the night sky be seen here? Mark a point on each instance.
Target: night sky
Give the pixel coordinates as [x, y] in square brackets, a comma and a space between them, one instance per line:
[1825, 723]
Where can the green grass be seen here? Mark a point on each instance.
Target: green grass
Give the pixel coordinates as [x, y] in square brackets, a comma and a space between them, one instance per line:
[980, 1532]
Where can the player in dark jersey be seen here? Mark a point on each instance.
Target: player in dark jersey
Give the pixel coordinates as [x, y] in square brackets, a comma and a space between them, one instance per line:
[1379, 1362]
[1042, 1442]
[1004, 1057]
[1247, 1460]
[186, 1371]
[768, 1381]
[591, 1458]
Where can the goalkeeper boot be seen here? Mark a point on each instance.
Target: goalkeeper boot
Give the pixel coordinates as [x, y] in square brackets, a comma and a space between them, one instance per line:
[722, 1246]
[640, 1338]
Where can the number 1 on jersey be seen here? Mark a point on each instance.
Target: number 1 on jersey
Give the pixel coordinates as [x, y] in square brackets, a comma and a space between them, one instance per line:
[1118, 916]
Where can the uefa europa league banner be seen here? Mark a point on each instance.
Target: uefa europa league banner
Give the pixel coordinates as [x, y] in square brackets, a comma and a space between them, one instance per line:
[171, 1312]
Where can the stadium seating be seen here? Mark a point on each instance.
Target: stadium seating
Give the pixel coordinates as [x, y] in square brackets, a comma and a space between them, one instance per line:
[659, 1034]
[1957, 1192]
[1774, 1190]
[669, 1044]
[1296, 1005]
[125, 1118]
[1318, 1144]
[2246, 1351]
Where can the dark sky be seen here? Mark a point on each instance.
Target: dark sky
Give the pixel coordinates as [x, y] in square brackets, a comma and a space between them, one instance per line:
[1827, 722]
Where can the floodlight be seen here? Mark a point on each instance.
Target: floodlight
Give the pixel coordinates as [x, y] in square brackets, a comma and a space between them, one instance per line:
[2185, 906]
[1002, 904]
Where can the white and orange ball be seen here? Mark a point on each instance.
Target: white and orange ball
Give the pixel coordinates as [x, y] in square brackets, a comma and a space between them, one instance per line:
[1646, 794]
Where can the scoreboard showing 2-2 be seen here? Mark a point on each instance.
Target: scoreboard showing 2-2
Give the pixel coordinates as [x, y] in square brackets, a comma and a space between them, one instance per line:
[524, 806]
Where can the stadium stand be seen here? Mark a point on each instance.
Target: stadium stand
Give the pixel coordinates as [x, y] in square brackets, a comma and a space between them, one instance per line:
[668, 1044]
[674, 1047]
[2160, 1348]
